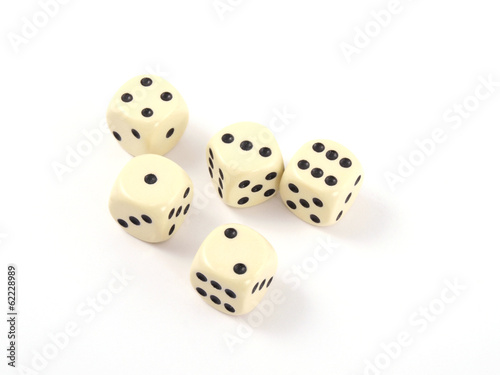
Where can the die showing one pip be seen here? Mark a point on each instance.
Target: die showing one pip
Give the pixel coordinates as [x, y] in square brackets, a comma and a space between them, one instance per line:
[151, 197]
[233, 269]
[321, 182]
[245, 164]
[147, 115]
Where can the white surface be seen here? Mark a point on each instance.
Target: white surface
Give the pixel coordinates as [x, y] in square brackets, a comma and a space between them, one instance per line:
[394, 250]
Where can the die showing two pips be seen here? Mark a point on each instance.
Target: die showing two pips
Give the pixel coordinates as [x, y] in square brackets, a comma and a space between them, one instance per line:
[233, 269]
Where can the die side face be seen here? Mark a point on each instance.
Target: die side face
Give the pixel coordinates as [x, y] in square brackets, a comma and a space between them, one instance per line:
[245, 164]
[147, 115]
[321, 182]
[233, 269]
[151, 198]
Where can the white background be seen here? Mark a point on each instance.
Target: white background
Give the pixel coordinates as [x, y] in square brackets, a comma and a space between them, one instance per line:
[394, 252]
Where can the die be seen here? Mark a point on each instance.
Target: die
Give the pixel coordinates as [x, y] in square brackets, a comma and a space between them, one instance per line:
[233, 269]
[321, 182]
[245, 164]
[147, 115]
[151, 197]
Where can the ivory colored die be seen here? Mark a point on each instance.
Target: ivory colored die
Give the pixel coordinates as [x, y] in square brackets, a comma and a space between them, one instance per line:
[151, 197]
[147, 115]
[233, 269]
[245, 164]
[321, 182]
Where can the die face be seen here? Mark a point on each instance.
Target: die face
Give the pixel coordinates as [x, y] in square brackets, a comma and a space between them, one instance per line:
[321, 182]
[245, 164]
[151, 197]
[233, 269]
[147, 115]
